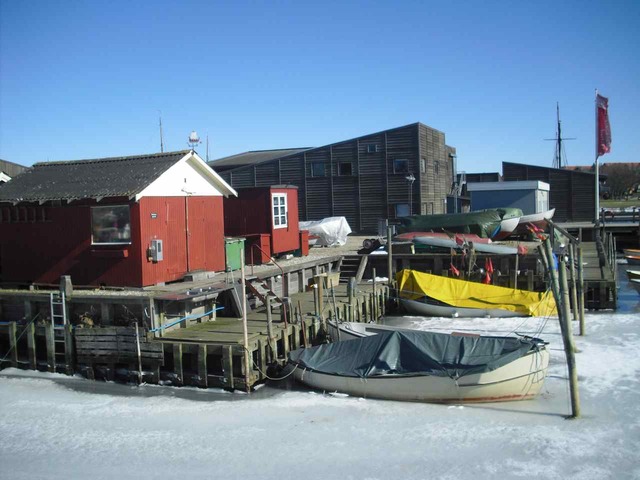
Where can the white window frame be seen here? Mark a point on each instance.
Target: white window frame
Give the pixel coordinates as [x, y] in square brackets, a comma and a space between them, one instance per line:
[279, 210]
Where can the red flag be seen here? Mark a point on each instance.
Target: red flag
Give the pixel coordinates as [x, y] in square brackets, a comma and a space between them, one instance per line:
[603, 129]
[487, 279]
[459, 240]
[454, 270]
[488, 265]
[522, 250]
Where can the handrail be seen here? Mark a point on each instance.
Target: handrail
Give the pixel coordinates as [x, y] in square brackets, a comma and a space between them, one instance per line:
[284, 307]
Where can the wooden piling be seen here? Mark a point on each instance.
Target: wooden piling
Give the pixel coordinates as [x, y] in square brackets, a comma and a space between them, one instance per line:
[580, 291]
[13, 344]
[227, 365]
[31, 345]
[572, 281]
[569, 346]
[389, 256]
[273, 354]
[177, 362]
[68, 349]
[202, 365]
[245, 329]
[50, 340]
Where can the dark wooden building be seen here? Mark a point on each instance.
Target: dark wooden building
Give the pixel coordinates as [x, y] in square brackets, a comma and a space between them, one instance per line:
[364, 179]
[267, 217]
[8, 170]
[572, 193]
[126, 221]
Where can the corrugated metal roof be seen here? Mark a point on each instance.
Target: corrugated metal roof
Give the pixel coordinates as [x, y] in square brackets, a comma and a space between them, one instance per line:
[98, 178]
[253, 157]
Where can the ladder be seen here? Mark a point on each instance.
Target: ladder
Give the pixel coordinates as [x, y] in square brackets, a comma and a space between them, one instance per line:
[57, 302]
[59, 321]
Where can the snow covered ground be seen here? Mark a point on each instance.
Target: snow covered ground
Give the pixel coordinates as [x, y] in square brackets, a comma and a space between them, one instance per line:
[53, 426]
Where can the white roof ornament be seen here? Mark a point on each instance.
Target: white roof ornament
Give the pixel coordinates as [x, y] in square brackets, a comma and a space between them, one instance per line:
[194, 139]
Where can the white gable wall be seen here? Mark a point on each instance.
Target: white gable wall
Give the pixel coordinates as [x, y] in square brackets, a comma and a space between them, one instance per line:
[185, 178]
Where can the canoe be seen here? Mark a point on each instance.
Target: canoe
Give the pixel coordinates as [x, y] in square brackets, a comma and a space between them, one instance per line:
[426, 367]
[478, 247]
[633, 274]
[507, 227]
[635, 283]
[456, 296]
[425, 309]
[540, 220]
[498, 222]
[633, 259]
[631, 252]
[464, 237]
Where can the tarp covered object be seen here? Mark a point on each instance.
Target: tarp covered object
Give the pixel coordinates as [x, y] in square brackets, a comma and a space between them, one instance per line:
[331, 231]
[484, 223]
[406, 352]
[415, 285]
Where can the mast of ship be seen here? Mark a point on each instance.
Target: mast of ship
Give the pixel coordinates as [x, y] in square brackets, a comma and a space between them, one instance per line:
[558, 153]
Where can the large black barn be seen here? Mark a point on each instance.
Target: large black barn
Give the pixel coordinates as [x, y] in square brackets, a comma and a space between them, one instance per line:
[572, 193]
[364, 179]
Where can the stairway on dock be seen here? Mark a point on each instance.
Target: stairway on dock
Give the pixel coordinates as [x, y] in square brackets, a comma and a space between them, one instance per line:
[352, 266]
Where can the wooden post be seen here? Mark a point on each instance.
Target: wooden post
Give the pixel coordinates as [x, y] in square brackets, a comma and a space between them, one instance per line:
[177, 362]
[572, 280]
[139, 354]
[273, 355]
[50, 340]
[335, 312]
[31, 345]
[227, 365]
[68, 348]
[320, 287]
[304, 328]
[389, 256]
[13, 343]
[580, 290]
[553, 274]
[203, 372]
[569, 347]
[351, 293]
[245, 330]
[515, 272]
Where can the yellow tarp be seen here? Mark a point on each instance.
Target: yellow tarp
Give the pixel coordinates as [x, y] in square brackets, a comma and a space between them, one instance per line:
[414, 285]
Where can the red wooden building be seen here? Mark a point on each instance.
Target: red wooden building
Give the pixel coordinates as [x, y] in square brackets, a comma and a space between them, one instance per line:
[267, 217]
[126, 221]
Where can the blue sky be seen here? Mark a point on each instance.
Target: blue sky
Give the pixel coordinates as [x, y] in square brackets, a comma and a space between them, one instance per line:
[87, 79]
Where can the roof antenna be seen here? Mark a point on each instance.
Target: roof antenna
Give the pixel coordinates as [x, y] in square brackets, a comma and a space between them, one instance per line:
[194, 140]
[161, 142]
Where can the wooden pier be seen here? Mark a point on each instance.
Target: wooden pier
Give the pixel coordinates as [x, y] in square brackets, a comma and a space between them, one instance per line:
[146, 343]
[176, 334]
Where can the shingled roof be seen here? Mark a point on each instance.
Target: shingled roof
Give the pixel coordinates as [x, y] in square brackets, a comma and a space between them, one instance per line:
[252, 158]
[80, 179]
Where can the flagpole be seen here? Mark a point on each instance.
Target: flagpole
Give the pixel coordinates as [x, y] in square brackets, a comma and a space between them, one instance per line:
[597, 217]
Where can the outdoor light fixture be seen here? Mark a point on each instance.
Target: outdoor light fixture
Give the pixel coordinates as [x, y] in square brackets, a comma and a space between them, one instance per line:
[410, 178]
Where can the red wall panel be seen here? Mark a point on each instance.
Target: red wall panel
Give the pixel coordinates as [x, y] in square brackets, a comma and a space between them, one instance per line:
[286, 239]
[35, 251]
[42, 251]
[250, 213]
[164, 218]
